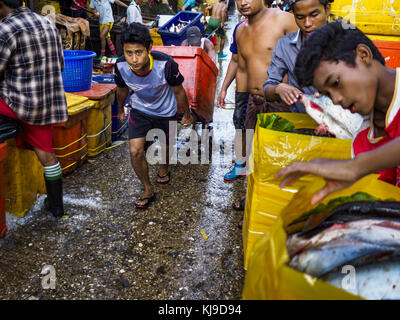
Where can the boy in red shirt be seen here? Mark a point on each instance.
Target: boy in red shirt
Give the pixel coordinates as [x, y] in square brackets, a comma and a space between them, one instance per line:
[342, 63]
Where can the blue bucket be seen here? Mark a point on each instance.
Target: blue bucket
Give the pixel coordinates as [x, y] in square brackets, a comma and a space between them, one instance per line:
[77, 74]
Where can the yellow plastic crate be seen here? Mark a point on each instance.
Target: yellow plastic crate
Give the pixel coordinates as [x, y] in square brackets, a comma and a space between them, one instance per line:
[99, 128]
[24, 179]
[374, 17]
[157, 41]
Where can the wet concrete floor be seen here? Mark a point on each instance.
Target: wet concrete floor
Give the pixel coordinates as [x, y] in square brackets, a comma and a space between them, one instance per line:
[187, 245]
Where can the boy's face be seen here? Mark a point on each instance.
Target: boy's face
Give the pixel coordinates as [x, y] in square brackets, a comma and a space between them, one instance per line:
[352, 88]
[310, 15]
[137, 56]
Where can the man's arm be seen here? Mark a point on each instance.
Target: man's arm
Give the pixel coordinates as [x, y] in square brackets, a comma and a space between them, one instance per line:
[288, 23]
[273, 87]
[120, 3]
[182, 100]
[230, 75]
[210, 49]
[122, 94]
[340, 174]
[5, 54]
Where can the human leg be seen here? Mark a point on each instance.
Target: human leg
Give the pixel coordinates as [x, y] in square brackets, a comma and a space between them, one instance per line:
[239, 116]
[104, 29]
[140, 166]
[110, 43]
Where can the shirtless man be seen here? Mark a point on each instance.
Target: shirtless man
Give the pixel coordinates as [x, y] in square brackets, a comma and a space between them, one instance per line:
[218, 17]
[256, 39]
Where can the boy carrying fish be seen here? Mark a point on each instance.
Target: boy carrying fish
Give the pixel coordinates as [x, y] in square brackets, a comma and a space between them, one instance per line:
[345, 65]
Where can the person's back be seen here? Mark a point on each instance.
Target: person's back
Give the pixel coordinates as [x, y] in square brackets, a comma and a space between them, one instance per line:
[32, 77]
[195, 39]
[218, 11]
[256, 41]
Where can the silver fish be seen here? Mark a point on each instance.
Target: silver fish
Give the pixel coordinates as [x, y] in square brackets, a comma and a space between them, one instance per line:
[383, 232]
[377, 281]
[323, 259]
[341, 122]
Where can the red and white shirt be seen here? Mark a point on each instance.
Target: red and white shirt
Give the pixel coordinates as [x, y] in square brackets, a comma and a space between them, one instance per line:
[365, 140]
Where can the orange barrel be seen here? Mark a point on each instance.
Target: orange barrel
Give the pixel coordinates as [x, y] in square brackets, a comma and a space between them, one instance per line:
[200, 74]
[3, 227]
[99, 130]
[390, 51]
[70, 137]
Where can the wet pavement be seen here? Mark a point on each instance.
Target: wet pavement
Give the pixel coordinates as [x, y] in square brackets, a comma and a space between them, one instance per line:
[186, 245]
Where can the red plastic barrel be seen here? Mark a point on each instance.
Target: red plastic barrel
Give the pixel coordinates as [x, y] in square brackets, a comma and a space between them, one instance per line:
[200, 74]
[3, 227]
[390, 51]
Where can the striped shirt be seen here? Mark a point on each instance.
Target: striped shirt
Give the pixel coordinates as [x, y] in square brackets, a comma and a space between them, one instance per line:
[31, 61]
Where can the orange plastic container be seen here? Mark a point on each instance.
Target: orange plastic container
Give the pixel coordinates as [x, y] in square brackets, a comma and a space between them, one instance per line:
[200, 74]
[70, 137]
[390, 51]
[3, 227]
[99, 129]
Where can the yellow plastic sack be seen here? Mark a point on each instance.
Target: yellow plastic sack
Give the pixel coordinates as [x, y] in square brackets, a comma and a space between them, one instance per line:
[273, 150]
[268, 277]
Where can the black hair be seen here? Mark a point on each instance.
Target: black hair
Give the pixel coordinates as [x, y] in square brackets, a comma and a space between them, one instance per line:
[13, 4]
[136, 33]
[335, 41]
[268, 2]
[290, 3]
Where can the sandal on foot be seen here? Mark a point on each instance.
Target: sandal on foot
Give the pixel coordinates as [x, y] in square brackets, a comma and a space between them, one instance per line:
[241, 205]
[146, 205]
[168, 174]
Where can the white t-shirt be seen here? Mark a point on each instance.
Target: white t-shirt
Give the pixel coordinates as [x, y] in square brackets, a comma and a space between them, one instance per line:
[104, 8]
[133, 13]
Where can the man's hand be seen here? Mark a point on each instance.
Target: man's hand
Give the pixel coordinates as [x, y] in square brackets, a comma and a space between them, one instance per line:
[121, 116]
[338, 175]
[288, 93]
[97, 15]
[221, 99]
[187, 119]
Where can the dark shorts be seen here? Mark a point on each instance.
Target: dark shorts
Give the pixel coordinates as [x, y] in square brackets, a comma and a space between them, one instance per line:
[239, 115]
[140, 124]
[79, 13]
[257, 104]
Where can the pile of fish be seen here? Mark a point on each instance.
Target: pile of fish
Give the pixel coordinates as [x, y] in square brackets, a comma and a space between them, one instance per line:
[179, 26]
[333, 118]
[363, 236]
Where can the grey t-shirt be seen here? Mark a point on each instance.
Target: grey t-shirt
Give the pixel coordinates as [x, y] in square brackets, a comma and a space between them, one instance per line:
[153, 93]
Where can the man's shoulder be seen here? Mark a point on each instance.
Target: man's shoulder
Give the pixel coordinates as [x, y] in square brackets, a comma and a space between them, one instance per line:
[160, 56]
[287, 38]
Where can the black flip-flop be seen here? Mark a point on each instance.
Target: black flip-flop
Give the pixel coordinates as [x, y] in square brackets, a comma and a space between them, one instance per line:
[168, 174]
[242, 203]
[149, 201]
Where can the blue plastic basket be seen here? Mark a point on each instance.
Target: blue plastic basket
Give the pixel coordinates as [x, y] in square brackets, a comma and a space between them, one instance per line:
[77, 74]
[176, 38]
